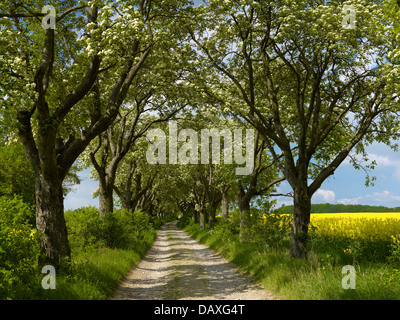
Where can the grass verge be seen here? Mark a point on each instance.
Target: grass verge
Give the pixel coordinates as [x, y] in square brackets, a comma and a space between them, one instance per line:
[318, 278]
[95, 273]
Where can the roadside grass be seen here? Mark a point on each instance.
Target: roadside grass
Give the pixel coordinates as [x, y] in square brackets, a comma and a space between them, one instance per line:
[318, 278]
[103, 250]
[94, 274]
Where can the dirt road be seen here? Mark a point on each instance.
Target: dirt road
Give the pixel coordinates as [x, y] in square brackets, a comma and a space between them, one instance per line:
[179, 268]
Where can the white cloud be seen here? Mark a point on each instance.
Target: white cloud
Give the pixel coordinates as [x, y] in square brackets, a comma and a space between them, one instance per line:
[382, 161]
[81, 196]
[384, 198]
[324, 196]
[350, 200]
[74, 201]
[283, 201]
[385, 161]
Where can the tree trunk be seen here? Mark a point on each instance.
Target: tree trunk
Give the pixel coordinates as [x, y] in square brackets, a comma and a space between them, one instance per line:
[202, 222]
[301, 221]
[125, 204]
[214, 199]
[244, 209]
[212, 213]
[194, 216]
[106, 200]
[125, 197]
[225, 202]
[125, 193]
[50, 220]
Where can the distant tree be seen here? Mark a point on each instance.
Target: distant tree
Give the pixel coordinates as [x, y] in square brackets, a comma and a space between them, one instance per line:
[261, 181]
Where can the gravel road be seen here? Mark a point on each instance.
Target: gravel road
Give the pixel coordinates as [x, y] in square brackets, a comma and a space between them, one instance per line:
[179, 268]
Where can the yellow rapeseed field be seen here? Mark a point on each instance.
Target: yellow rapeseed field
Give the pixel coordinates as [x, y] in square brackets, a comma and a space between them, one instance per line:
[371, 226]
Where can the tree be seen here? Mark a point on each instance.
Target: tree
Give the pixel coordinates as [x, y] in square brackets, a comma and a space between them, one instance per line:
[53, 82]
[262, 179]
[391, 69]
[308, 85]
[135, 177]
[194, 177]
[119, 138]
[158, 94]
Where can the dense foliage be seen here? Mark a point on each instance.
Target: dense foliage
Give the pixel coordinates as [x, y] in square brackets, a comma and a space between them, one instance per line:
[120, 229]
[19, 247]
[89, 236]
[16, 175]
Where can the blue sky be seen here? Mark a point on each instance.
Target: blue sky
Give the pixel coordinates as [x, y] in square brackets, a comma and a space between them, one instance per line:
[81, 196]
[346, 186]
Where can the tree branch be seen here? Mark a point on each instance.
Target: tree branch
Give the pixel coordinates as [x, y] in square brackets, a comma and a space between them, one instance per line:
[68, 11]
[26, 136]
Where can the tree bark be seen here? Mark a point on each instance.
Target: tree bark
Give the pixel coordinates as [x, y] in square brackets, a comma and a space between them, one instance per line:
[225, 202]
[212, 213]
[50, 220]
[125, 204]
[194, 216]
[300, 224]
[202, 220]
[244, 209]
[106, 199]
[49, 198]
[214, 199]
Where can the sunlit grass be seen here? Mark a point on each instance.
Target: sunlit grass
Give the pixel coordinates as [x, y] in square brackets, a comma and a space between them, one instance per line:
[94, 274]
[318, 277]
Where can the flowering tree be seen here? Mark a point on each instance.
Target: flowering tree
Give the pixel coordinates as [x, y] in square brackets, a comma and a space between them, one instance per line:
[120, 138]
[312, 85]
[64, 82]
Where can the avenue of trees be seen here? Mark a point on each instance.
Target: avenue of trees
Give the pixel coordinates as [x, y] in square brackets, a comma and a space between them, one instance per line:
[93, 91]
